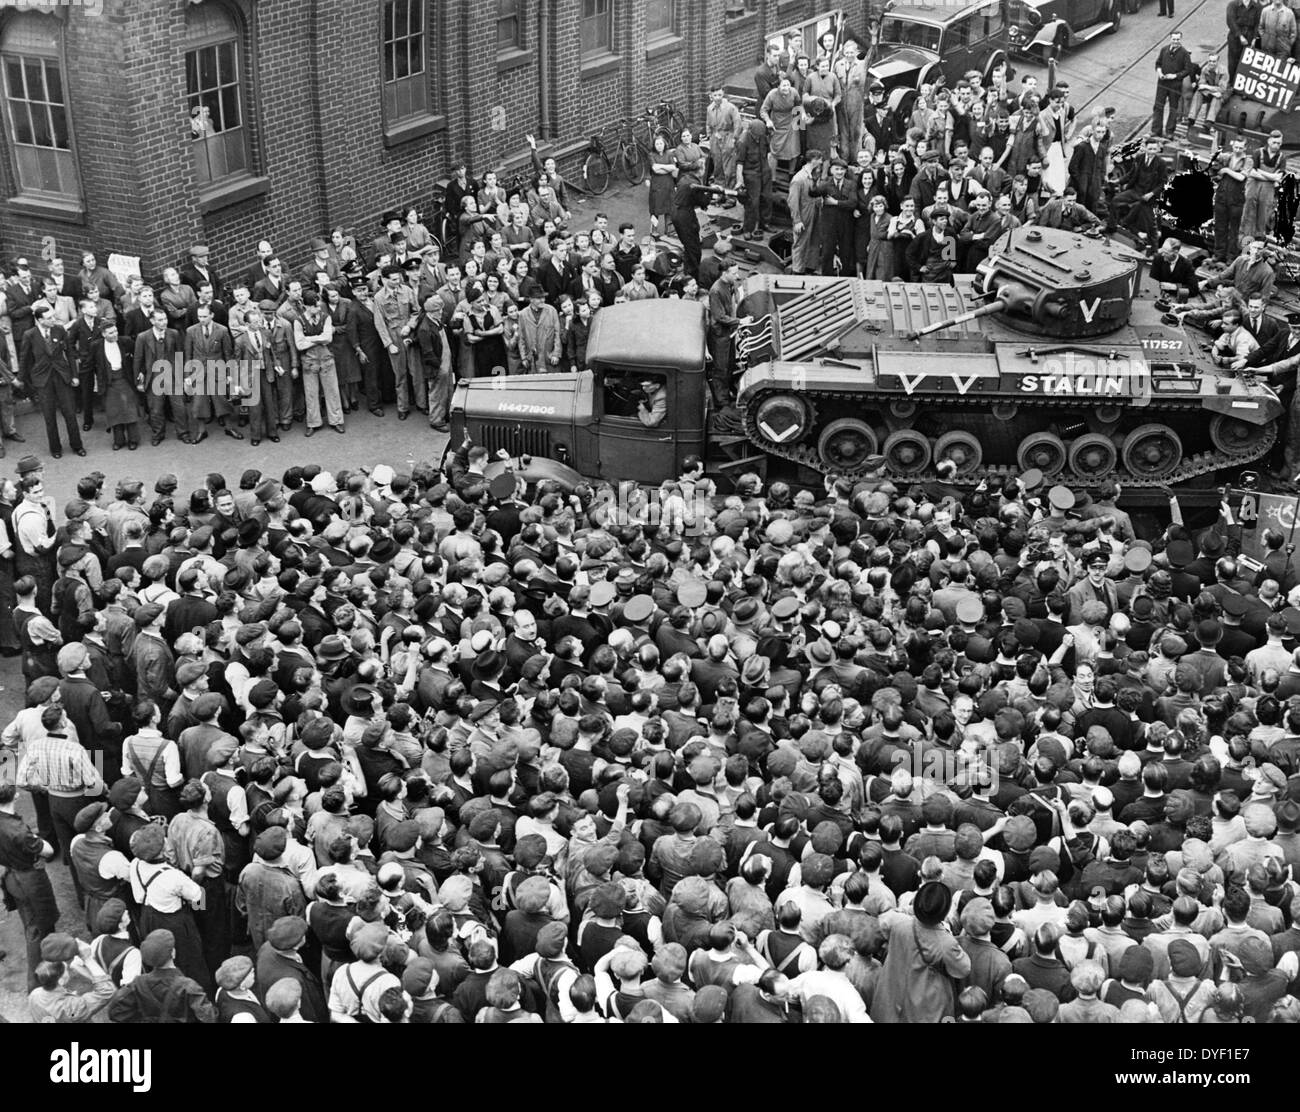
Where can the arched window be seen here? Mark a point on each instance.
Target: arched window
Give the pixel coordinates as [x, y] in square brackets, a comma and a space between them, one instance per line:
[38, 121]
[214, 92]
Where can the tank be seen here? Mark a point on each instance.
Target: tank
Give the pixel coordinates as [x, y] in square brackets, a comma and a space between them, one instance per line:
[1057, 354]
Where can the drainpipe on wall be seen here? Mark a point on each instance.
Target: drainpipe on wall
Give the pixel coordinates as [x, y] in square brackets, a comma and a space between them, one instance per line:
[544, 66]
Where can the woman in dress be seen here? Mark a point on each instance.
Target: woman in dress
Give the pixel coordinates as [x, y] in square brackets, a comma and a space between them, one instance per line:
[690, 158]
[875, 252]
[484, 332]
[495, 292]
[822, 129]
[897, 184]
[663, 183]
[342, 248]
[782, 111]
[117, 389]
[515, 283]
[417, 235]
[345, 347]
[800, 72]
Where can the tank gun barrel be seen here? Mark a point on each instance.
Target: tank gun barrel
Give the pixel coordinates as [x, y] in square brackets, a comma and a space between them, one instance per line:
[994, 306]
[1014, 296]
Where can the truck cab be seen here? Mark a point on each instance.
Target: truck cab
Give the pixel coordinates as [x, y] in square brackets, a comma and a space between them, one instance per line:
[590, 421]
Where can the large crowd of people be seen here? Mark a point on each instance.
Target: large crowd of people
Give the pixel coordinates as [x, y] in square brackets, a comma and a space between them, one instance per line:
[444, 746]
[434, 747]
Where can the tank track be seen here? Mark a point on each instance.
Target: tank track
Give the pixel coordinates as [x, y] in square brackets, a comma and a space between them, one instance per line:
[1192, 467]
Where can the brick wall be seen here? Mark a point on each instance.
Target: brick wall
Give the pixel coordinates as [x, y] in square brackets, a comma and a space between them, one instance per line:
[313, 101]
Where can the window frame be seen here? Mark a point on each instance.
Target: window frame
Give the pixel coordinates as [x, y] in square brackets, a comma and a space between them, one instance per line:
[70, 196]
[587, 55]
[241, 136]
[417, 108]
[671, 30]
[516, 16]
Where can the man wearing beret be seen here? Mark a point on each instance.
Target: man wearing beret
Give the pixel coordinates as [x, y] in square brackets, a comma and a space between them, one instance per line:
[268, 888]
[152, 659]
[280, 958]
[162, 994]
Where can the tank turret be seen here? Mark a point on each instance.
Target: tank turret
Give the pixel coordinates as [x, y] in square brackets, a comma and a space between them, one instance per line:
[1054, 355]
[1040, 283]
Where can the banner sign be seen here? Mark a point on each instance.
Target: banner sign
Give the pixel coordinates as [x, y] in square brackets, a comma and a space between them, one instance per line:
[1267, 79]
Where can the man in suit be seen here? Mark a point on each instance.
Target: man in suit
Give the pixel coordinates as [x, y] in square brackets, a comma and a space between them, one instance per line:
[321, 262]
[587, 281]
[554, 276]
[207, 296]
[839, 202]
[877, 120]
[1173, 63]
[1147, 176]
[21, 292]
[49, 372]
[65, 285]
[261, 268]
[1272, 335]
[253, 348]
[159, 353]
[85, 330]
[138, 318]
[1087, 168]
[199, 271]
[210, 343]
[271, 286]
[1170, 268]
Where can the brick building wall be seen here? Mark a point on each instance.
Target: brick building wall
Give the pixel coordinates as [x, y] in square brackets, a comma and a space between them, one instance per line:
[312, 98]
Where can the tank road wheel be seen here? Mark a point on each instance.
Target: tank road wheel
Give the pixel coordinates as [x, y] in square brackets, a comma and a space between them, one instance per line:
[846, 444]
[962, 448]
[1092, 456]
[784, 418]
[1233, 436]
[1043, 451]
[907, 452]
[1152, 452]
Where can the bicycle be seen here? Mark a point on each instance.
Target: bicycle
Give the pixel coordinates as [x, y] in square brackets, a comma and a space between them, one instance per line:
[663, 116]
[627, 157]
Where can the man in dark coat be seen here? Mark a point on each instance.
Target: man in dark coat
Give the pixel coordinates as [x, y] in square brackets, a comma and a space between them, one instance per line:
[49, 372]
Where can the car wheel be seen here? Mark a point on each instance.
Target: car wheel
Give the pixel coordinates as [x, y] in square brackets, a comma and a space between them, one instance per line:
[1116, 16]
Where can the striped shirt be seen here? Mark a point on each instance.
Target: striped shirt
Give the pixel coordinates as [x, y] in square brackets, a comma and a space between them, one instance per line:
[61, 766]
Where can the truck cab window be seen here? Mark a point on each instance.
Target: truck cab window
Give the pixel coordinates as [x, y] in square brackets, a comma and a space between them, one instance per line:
[638, 397]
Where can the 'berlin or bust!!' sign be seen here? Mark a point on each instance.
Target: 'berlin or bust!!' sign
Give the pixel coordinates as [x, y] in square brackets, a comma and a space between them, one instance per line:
[1265, 78]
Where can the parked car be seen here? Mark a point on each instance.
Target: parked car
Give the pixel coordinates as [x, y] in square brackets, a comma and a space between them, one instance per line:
[1045, 27]
[926, 45]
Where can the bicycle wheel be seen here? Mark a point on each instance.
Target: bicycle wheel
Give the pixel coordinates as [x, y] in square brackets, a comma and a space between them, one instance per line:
[632, 163]
[595, 172]
[673, 120]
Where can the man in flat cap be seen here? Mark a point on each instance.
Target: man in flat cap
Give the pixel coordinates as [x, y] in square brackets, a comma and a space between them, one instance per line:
[162, 994]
